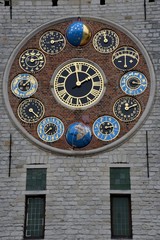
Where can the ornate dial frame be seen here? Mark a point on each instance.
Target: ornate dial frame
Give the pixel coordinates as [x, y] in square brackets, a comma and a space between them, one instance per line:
[102, 106]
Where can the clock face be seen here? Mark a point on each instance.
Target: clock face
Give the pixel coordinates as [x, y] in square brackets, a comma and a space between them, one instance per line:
[32, 60]
[127, 109]
[78, 84]
[106, 128]
[50, 129]
[105, 41]
[133, 83]
[30, 110]
[52, 42]
[24, 85]
[125, 58]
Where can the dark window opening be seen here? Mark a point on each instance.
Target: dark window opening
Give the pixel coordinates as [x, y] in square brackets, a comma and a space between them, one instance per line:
[121, 222]
[54, 2]
[6, 3]
[34, 217]
[36, 179]
[102, 2]
[151, 0]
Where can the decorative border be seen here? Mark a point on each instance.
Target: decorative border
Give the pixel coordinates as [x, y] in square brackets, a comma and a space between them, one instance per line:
[112, 145]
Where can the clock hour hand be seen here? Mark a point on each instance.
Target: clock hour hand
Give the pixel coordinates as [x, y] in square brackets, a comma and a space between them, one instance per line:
[127, 107]
[32, 111]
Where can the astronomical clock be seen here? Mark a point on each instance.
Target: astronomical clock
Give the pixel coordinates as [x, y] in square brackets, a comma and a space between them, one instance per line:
[79, 85]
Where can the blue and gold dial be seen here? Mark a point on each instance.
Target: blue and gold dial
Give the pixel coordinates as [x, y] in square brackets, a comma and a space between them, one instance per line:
[105, 41]
[52, 42]
[133, 83]
[125, 58]
[50, 129]
[32, 60]
[106, 128]
[24, 85]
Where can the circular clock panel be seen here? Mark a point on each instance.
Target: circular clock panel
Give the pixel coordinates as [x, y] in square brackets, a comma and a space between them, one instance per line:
[52, 42]
[105, 41]
[24, 85]
[79, 86]
[32, 60]
[133, 83]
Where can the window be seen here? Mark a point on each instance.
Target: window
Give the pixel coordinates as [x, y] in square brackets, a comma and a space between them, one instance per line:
[34, 217]
[7, 3]
[120, 178]
[121, 224]
[36, 179]
[54, 2]
[102, 2]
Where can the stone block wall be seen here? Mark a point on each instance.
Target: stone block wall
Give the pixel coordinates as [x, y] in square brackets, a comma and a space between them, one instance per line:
[78, 188]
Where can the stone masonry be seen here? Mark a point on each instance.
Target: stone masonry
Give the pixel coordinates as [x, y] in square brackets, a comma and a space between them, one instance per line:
[78, 188]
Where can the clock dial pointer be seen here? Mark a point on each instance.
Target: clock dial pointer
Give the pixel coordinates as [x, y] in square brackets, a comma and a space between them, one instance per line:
[32, 111]
[48, 130]
[128, 107]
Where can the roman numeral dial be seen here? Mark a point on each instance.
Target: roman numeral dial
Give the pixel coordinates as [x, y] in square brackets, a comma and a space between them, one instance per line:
[78, 84]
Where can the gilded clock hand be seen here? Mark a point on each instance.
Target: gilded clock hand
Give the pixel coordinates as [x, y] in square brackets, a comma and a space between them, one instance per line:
[32, 111]
[54, 41]
[24, 84]
[105, 38]
[35, 59]
[127, 107]
[78, 83]
[137, 83]
[48, 130]
[85, 80]
[125, 60]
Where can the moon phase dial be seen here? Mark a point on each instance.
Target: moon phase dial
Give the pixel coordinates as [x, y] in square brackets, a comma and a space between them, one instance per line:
[32, 60]
[133, 83]
[105, 41]
[30, 110]
[52, 42]
[24, 85]
[106, 128]
[125, 58]
[50, 129]
[127, 109]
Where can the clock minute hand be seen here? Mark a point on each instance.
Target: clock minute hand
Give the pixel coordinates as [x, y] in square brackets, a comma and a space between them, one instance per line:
[128, 107]
[32, 111]
[78, 83]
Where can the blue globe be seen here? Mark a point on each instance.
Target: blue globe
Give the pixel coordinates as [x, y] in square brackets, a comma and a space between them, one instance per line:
[78, 135]
[78, 34]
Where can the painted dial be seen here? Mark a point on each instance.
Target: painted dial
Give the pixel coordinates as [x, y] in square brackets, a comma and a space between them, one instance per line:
[133, 83]
[52, 42]
[127, 109]
[30, 110]
[105, 41]
[32, 60]
[78, 84]
[125, 58]
[24, 85]
[106, 128]
[50, 129]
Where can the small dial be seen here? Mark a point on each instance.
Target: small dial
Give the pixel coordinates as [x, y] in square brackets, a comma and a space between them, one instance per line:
[24, 85]
[127, 109]
[106, 128]
[105, 41]
[50, 129]
[52, 42]
[133, 83]
[78, 84]
[30, 110]
[32, 60]
[125, 58]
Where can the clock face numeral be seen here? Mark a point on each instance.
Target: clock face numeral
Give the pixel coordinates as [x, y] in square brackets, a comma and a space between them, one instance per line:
[50, 129]
[52, 42]
[24, 85]
[78, 84]
[30, 110]
[125, 58]
[32, 60]
[106, 128]
[127, 109]
[133, 83]
[105, 41]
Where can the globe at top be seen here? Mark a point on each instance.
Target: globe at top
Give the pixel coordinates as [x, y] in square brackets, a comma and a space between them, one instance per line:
[78, 34]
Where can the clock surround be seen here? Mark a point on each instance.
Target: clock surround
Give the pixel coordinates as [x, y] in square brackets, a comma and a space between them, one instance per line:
[101, 108]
